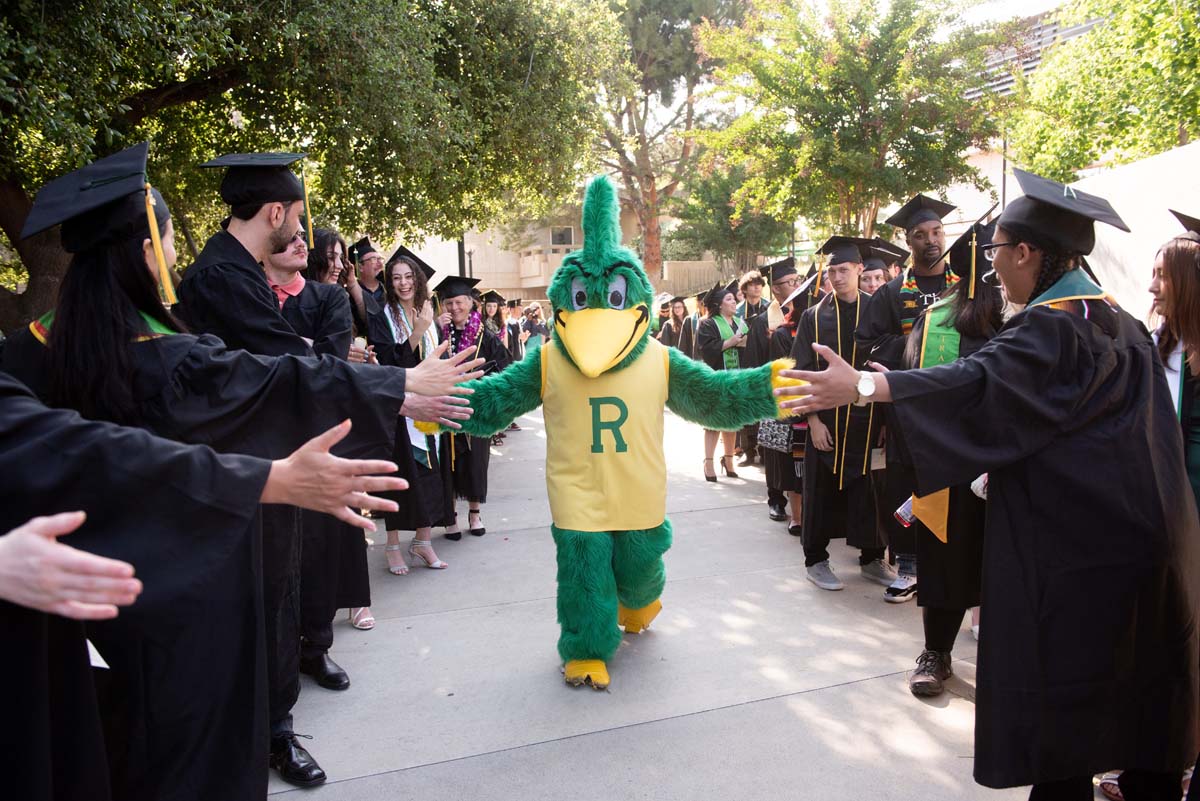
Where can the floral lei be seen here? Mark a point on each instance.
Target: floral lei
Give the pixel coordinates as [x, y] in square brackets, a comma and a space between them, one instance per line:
[470, 335]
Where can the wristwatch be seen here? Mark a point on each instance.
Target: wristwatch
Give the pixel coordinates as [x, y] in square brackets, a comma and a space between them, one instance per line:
[865, 388]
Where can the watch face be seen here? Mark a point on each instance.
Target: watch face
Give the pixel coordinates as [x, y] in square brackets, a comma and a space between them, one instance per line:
[866, 385]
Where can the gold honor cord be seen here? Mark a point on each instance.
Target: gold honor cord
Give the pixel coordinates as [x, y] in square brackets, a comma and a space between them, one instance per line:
[840, 464]
[974, 241]
[164, 275]
[307, 209]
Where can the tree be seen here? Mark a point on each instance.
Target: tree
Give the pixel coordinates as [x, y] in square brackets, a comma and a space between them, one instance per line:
[650, 105]
[850, 105]
[710, 221]
[1126, 89]
[418, 115]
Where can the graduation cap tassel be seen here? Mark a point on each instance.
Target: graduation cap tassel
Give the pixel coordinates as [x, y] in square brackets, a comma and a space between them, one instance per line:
[974, 242]
[164, 275]
[307, 209]
[817, 284]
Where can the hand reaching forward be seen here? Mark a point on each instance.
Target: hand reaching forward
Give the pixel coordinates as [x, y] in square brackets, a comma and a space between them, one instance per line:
[41, 573]
[313, 478]
[443, 410]
[836, 385]
[437, 376]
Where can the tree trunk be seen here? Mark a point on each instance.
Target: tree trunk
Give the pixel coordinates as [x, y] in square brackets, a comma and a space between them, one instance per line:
[42, 255]
[652, 258]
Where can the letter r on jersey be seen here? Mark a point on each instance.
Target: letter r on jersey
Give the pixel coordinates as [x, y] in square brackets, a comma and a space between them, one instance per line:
[599, 424]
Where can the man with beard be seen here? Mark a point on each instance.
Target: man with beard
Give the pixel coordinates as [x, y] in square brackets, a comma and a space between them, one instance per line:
[882, 333]
[226, 293]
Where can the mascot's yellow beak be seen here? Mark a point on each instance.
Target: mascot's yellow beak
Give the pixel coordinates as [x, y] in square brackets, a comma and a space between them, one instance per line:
[598, 339]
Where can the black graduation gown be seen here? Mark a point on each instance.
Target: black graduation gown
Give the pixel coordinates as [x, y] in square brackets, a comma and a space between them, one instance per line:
[468, 457]
[1091, 586]
[837, 483]
[192, 389]
[784, 472]
[687, 337]
[512, 337]
[709, 342]
[670, 334]
[333, 557]
[429, 499]
[185, 717]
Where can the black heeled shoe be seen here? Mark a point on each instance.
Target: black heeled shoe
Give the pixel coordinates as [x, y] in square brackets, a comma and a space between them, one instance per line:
[475, 532]
[727, 463]
[454, 536]
[708, 477]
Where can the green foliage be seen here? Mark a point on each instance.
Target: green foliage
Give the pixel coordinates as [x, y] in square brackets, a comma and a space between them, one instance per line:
[417, 114]
[1124, 90]
[852, 105]
[711, 220]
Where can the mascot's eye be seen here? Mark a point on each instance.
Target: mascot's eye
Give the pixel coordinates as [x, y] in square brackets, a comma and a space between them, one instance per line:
[616, 292]
[578, 294]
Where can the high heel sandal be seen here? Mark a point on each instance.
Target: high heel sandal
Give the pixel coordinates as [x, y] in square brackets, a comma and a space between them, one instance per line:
[727, 463]
[361, 618]
[707, 477]
[454, 536]
[436, 564]
[400, 569]
[475, 532]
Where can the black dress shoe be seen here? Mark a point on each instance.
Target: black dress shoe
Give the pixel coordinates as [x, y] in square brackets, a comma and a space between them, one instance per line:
[796, 531]
[294, 763]
[327, 672]
[776, 511]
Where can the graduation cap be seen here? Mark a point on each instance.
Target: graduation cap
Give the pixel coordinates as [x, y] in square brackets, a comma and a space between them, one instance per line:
[842, 249]
[889, 252]
[256, 178]
[492, 296]
[454, 285]
[1190, 224]
[714, 296]
[920, 209]
[779, 270]
[966, 254]
[1057, 215]
[875, 261]
[408, 255]
[361, 249]
[514, 304]
[109, 200]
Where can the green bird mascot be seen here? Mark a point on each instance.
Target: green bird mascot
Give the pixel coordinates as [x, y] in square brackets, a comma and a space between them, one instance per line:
[603, 383]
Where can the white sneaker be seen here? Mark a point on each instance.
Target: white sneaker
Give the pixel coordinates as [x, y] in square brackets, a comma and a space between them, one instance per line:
[879, 572]
[823, 576]
[904, 588]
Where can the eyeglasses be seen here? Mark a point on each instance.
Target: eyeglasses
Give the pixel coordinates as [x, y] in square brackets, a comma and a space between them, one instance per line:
[786, 283]
[989, 251]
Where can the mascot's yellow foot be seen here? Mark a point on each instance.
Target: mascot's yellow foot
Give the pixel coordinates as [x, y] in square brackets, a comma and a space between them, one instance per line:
[637, 620]
[586, 671]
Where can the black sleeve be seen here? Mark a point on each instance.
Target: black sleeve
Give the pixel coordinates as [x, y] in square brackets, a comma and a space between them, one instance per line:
[1008, 400]
[757, 342]
[268, 406]
[781, 344]
[225, 301]
[710, 344]
[878, 332]
[802, 350]
[334, 334]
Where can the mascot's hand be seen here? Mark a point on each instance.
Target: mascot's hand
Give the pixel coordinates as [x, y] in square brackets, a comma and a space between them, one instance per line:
[778, 381]
[432, 415]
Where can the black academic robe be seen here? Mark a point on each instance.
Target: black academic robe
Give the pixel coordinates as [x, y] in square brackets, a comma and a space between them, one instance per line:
[1091, 589]
[192, 389]
[185, 716]
[784, 472]
[333, 557]
[670, 333]
[468, 457]
[429, 499]
[226, 294]
[882, 329]
[837, 485]
[687, 337]
[512, 340]
[709, 343]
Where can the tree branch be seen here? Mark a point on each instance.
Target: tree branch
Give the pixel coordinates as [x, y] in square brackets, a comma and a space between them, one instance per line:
[151, 101]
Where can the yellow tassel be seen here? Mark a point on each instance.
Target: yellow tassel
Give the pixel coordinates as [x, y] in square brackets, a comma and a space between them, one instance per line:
[971, 288]
[307, 209]
[164, 275]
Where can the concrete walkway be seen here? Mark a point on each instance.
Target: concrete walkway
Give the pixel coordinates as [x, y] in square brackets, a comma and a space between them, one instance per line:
[751, 684]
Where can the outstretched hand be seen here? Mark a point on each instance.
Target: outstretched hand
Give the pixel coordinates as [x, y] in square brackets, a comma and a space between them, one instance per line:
[313, 478]
[436, 376]
[836, 385]
[38, 572]
[443, 410]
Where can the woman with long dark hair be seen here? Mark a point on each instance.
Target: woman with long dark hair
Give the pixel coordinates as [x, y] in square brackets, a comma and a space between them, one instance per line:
[402, 334]
[1092, 534]
[950, 545]
[111, 351]
[329, 263]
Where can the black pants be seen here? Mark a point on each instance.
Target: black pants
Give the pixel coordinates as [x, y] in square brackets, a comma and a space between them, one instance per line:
[317, 635]
[281, 601]
[941, 627]
[830, 511]
[775, 496]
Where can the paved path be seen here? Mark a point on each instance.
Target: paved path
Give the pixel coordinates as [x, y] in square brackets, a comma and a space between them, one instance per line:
[751, 684]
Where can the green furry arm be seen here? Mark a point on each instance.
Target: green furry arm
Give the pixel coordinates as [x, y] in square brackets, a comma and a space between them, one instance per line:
[721, 400]
[502, 397]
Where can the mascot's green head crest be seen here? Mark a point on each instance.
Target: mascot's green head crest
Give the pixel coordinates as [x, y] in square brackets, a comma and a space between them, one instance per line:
[600, 295]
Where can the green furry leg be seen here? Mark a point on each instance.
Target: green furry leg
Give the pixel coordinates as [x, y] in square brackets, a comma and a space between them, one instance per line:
[587, 595]
[638, 564]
